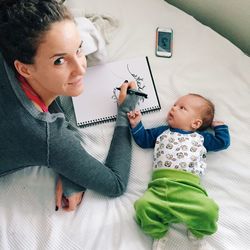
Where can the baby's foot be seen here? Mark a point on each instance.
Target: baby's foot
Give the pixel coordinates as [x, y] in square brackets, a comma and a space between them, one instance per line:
[199, 243]
[160, 244]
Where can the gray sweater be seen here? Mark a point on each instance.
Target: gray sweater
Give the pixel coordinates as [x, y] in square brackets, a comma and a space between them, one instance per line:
[29, 137]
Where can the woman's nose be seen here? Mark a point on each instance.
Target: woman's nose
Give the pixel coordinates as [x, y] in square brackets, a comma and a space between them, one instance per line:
[79, 66]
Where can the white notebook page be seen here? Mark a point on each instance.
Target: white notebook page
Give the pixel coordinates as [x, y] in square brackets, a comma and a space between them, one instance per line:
[97, 103]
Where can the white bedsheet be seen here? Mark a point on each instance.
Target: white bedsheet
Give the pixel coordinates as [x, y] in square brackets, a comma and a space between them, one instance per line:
[203, 62]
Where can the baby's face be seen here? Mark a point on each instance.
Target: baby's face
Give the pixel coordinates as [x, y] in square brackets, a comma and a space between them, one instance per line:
[185, 111]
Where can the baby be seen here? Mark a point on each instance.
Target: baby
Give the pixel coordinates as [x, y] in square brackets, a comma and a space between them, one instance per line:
[175, 194]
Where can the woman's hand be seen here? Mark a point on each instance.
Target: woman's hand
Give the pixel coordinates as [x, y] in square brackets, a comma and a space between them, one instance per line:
[123, 92]
[67, 203]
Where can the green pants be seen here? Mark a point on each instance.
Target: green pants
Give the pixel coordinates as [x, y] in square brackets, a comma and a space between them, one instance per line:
[175, 196]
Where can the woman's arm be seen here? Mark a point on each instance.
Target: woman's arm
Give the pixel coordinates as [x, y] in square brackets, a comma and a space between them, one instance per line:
[72, 161]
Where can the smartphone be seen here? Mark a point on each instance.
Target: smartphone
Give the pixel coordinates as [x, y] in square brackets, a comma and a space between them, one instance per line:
[164, 40]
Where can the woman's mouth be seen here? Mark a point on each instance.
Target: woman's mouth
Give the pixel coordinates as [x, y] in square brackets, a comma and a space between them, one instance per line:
[76, 82]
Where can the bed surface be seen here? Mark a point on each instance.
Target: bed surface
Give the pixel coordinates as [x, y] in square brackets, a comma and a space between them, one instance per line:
[203, 62]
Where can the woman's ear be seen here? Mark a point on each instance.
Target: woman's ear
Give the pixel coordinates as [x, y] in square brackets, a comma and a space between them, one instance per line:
[196, 124]
[22, 68]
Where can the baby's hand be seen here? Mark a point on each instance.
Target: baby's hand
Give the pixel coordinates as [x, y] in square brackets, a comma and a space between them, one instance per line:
[134, 118]
[217, 123]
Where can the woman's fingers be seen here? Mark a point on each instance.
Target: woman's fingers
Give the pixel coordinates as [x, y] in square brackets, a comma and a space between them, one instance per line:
[59, 194]
[71, 202]
[123, 90]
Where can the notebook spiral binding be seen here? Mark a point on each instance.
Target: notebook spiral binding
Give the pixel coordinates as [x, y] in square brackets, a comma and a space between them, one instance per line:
[113, 118]
[139, 69]
[97, 121]
[151, 109]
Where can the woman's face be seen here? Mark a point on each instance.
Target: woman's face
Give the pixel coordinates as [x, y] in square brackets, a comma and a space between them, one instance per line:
[59, 64]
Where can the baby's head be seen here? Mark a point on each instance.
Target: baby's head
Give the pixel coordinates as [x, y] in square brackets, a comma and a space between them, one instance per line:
[191, 112]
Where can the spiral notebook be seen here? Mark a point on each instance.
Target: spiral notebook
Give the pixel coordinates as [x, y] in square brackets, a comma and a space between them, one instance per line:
[98, 102]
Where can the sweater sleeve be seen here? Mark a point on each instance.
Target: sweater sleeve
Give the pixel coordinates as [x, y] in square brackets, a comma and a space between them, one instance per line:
[70, 187]
[68, 158]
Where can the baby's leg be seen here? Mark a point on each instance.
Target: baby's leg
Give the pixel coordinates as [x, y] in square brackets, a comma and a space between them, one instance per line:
[152, 210]
[195, 209]
[161, 244]
[203, 217]
[188, 202]
[150, 216]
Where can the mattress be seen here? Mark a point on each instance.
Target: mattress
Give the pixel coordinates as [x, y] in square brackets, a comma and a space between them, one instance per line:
[203, 62]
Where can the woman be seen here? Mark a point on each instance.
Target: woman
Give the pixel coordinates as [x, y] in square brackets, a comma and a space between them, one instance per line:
[42, 59]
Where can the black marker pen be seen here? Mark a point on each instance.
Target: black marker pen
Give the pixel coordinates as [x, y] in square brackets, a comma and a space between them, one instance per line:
[135, 92]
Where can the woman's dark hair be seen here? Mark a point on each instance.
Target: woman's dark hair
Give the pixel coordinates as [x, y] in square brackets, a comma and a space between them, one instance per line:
[23, 24]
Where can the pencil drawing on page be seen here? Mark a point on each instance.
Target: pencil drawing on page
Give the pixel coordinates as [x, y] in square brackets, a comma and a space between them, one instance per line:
[106, 78]
[139, 82]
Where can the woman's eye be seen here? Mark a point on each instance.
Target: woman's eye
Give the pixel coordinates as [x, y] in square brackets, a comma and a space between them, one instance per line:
[59, 61]
[182, 107]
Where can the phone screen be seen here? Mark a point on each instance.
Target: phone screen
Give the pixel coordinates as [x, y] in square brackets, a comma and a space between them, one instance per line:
[164, 41]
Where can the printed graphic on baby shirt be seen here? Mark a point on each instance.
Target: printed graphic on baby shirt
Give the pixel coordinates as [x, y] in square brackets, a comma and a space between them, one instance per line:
[180, 151]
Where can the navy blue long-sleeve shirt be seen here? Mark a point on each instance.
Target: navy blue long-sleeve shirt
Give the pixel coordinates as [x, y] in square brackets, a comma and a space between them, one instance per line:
[218, 140]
